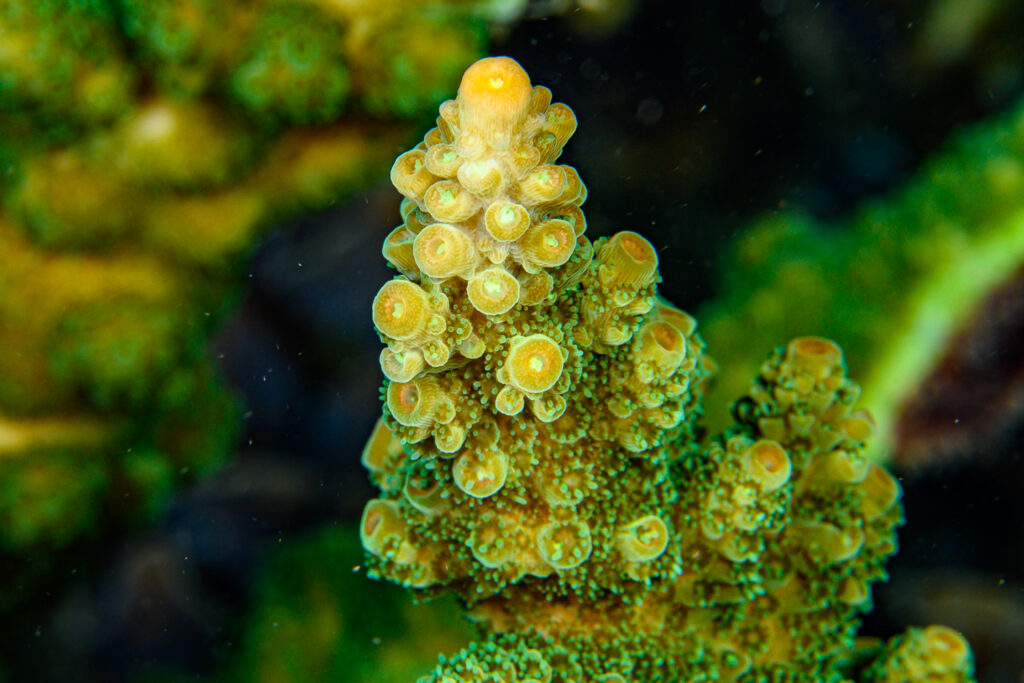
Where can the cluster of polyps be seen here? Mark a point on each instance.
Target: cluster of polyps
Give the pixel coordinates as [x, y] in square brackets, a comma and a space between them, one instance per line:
[483, 202]
[526, 365]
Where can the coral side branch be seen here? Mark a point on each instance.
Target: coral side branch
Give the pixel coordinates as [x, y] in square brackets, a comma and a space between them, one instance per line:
[539, 453]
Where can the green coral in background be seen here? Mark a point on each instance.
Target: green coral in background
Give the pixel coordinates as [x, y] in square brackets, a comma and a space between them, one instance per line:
[62, 67]
[145, 147]
[103, 368]
[896, 281]
[294, 68]
[316, 619]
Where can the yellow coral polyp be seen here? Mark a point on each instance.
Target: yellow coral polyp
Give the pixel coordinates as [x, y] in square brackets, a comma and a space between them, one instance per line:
[815, 355]
[401, 366]
[854, 592]
[933, 654]
[490, 547]
[443, 251]
[829, 542]
[946, 649]
[859, 426]
[506, 221]
[881, 492]
[450, 437]
[536, 288]
[567, 490]
[470, 146]
[573, 190]
[410, 175]
[548, 408]
[543, 185]
[397, 250]
[559, 124]
[493, 291]
[682, 321]
[576, 267]
[413, 217]
[382, 528]
[382, 451]
[573, 215]
[401, 310]
[448, 202]
[436, 353]
[661, 345]
[548, 244]
[533, 668]
[525, 157]
[482, 177]
[494, 96]
[768, 464]
[415, 403]
[425, 493]
[627, 260]
[480, 474]
[534, 363]
[509, 401]
[642, 540]
[443, 160]
[838, 467]
[565, 545]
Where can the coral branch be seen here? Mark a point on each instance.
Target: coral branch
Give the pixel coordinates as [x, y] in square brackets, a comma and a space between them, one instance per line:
[537, 453]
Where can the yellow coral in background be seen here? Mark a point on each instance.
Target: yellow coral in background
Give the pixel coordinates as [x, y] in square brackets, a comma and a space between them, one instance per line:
[538, 452]
[146, 147]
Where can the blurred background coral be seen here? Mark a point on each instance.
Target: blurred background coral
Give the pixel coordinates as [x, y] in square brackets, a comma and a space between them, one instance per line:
[176, 508]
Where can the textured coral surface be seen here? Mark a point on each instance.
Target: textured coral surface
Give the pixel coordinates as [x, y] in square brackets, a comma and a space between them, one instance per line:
[145, 147]
[538, 453]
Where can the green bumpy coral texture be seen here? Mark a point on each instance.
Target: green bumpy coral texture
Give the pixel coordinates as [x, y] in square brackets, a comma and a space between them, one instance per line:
[538, 453]
[295, 69]
[61, 65]
[146, 146]
[894, 282]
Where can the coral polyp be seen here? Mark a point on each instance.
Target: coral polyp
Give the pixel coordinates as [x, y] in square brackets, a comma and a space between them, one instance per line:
[554, 478]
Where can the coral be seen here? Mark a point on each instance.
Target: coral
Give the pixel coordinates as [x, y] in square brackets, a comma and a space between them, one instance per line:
[146, 147]
[539, 454]
[935, 654]
[900, 282]
[315, 619]
[61, 65]
[89, 340]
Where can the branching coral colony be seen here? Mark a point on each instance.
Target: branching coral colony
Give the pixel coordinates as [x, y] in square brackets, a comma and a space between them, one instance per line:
[537, 453]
